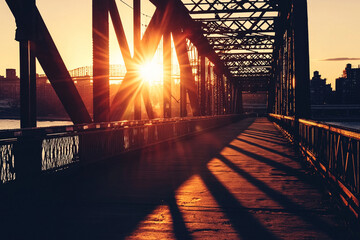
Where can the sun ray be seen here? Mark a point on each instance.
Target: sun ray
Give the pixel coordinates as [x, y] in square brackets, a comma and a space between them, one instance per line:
[151, 73]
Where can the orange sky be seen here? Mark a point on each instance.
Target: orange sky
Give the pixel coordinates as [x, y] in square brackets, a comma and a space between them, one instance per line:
[334, 33]
[333, 28]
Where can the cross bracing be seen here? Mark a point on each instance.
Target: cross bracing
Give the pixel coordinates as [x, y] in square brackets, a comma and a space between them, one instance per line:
[242, 33]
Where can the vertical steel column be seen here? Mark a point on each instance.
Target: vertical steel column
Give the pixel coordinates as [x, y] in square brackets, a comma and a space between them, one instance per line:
[233, 99]
[279, 82]
[227, 97]
[137, 50]
[187, 81]
[167, 73]
[271, 94]
[301, 48]
[216, 96]
[26, 33]
[183, 97]
[33, 107]
[223, 100]
[280, 24]
[27, 85]
[208, 91]
[226, 86]
[211, 91]
[240, 102]
[202, 86]
[231, 102]
[236, 99]
[100, 33]
[219, 78]
[222, 97]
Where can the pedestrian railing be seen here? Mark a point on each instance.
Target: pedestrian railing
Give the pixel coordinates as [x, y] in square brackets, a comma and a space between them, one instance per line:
[333, 150]
[27, 153]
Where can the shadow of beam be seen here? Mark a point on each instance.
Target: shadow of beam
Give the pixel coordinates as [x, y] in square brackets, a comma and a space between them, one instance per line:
[266, 148]
[265, 139]
[261, 130]
[180, 229]
[283, 200]
[282, 167]
[246, 225]
[261, 134]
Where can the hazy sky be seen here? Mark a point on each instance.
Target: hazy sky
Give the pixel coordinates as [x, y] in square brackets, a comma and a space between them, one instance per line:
[334, 33]
[333, 28]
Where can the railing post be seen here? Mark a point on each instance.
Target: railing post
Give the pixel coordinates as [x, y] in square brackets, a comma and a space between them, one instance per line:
[28, 157]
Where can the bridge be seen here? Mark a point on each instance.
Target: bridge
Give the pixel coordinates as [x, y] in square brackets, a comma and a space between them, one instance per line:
[198, 168]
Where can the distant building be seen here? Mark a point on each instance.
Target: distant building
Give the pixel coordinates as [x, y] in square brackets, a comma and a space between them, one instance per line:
[10, 86]
[320, 92]
[11, 74]
[348, 86]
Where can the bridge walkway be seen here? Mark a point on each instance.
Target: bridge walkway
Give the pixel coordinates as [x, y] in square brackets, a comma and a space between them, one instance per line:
[242, 181]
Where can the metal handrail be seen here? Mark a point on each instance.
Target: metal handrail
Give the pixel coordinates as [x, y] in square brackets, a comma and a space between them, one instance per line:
[27, 153]
[333, 150]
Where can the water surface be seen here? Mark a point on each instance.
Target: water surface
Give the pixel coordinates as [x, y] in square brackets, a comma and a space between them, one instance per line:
[14, 124]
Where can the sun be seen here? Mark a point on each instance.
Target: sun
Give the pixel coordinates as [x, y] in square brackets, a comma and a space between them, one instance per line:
[151, 73]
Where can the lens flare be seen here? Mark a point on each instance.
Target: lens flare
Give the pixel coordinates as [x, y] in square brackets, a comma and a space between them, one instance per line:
[151, 73]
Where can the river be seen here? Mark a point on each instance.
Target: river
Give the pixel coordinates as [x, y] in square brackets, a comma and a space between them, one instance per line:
[353, 125]
[14, 124]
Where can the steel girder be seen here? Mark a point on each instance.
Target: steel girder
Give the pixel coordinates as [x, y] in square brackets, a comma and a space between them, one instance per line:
[246, 43]
[242, 32]
[245, 56]
[45, 50]
[254, 84]
[229, 6]
[234, 26]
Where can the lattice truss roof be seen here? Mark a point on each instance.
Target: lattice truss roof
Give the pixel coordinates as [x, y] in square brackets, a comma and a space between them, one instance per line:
[240, 31]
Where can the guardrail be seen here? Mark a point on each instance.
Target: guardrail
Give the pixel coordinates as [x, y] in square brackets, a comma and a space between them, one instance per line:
[333, 150]
[27, 153]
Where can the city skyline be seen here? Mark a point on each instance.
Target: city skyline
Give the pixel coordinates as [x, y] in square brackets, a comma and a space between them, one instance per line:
[333, 42]
[332, 39]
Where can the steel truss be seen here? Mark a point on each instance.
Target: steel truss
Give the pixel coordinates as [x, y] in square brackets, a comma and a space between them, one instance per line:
[210, 91]
[264, 44]
[289, 87]
[222, 47]
[241, 32]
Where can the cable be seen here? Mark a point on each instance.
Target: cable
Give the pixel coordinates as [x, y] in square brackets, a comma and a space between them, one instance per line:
[128, 5]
